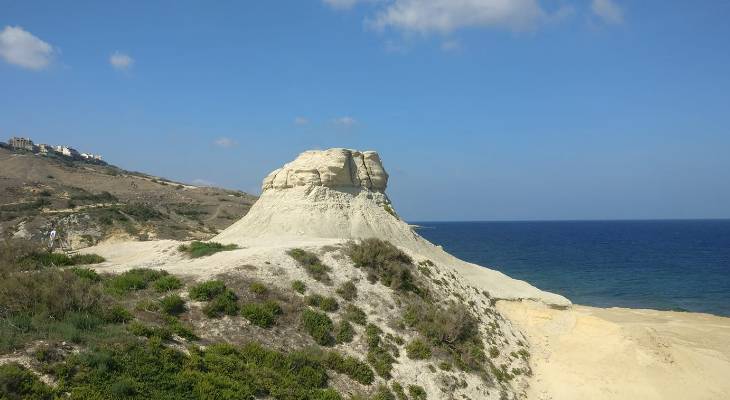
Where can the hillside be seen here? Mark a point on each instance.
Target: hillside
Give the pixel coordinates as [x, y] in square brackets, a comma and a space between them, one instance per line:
[90, 202]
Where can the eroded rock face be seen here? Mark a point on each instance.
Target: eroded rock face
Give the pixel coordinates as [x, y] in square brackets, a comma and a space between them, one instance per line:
[332, 168]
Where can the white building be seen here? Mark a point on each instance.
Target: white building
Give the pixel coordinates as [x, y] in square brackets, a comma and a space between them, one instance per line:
[68, 151]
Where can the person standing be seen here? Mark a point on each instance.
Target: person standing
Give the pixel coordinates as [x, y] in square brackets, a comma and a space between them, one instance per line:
[51, 239]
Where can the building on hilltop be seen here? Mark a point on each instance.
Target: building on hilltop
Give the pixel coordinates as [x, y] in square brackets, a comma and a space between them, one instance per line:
[21, 143]
[90, 156]
[45, 148]
[68, 151]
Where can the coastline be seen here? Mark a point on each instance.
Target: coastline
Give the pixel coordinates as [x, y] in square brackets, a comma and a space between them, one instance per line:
[618, 353]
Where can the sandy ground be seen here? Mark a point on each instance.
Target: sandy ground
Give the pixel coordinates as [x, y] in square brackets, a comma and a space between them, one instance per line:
[595, 353]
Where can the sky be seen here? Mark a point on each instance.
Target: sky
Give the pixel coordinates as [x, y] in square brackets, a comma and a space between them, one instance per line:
[480, 109]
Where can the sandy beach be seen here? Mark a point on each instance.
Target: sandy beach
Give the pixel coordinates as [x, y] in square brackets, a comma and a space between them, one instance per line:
[617, 353]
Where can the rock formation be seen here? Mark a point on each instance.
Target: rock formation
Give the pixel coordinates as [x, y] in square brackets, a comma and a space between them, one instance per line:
[340, 194]
[335, 168]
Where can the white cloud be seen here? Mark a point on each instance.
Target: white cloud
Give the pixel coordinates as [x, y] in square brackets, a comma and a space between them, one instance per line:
[121, 61]
[301, 121]
[444, 16]
[20, 47]
[225, 142]
[608, 11]
[345, 121]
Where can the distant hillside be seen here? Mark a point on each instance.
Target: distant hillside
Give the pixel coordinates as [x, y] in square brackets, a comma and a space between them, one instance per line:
[91, 202]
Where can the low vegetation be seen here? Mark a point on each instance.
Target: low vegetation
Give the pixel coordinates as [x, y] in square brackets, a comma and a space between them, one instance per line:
[319, 326]
[328, 304]
[198, 249]
[347, 291]
[299, 286]
[312, 264]
[385, 263]
[207, 290]
[418, 350]
[262, 314]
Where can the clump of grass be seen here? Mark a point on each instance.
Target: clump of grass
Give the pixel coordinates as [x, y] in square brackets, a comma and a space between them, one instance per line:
[207, 290]
[198, 249]
[312, 264]
[378, 357]
[344, 332]
[385, 263]
[86, 273]
[319, 326]
[417, 392]
[418, 350]
[299, 286]
[134, 279]
[383, 393]
[347, 290]
[172, 305]
[350, 366]
[400, 394]
[328, 304]
[258, 288]
[167, 283]
[84, 259]
[261, 314]
[355, 314]
[452, 328]
[225, 303]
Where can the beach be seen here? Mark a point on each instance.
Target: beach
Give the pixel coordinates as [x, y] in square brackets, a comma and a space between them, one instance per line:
[618, 353]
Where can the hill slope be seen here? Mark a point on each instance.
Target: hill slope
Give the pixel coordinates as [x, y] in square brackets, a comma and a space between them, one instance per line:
[91, 202]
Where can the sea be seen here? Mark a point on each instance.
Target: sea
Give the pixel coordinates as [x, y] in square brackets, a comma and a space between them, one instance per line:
[680, 265]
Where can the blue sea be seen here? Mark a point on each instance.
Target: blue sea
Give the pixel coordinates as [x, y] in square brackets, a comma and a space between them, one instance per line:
[665, 265]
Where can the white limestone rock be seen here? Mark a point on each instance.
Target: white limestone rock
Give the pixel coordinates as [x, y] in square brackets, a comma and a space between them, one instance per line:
[335, 168]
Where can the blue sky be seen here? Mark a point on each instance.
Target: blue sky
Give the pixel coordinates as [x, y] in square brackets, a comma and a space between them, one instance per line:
[481, 109]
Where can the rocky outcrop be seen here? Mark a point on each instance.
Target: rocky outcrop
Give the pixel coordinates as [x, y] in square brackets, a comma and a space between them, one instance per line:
[340, 194]
[335, 168]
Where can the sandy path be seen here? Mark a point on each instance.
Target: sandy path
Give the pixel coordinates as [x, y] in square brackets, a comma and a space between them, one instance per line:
[595, 353]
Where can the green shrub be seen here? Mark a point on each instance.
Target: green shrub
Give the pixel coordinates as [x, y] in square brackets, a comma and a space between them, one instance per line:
[347, 291]
[116, 314]
[172, 304]
[350, 366]
[299, 286]
[311, 263]
[416, 392]
[328, 304]
[134, 279]
[319, 326]
[86, 273]
[141, 212]
[161, 332]
[355, 314]
[261, 314]
[400, 394]
[207, 290]
[452, 328]
[84, 259]
[18, 383]
[198, 249]
[385, 263]
[167, 283]
[493, 352]
[383, 393]
[225, 303]
[444, 366]
[258, 288]
[418, 350]
[344, 332]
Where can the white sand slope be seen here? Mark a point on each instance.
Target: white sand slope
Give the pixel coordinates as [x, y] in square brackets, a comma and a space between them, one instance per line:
[323, 196]
[617, 353]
